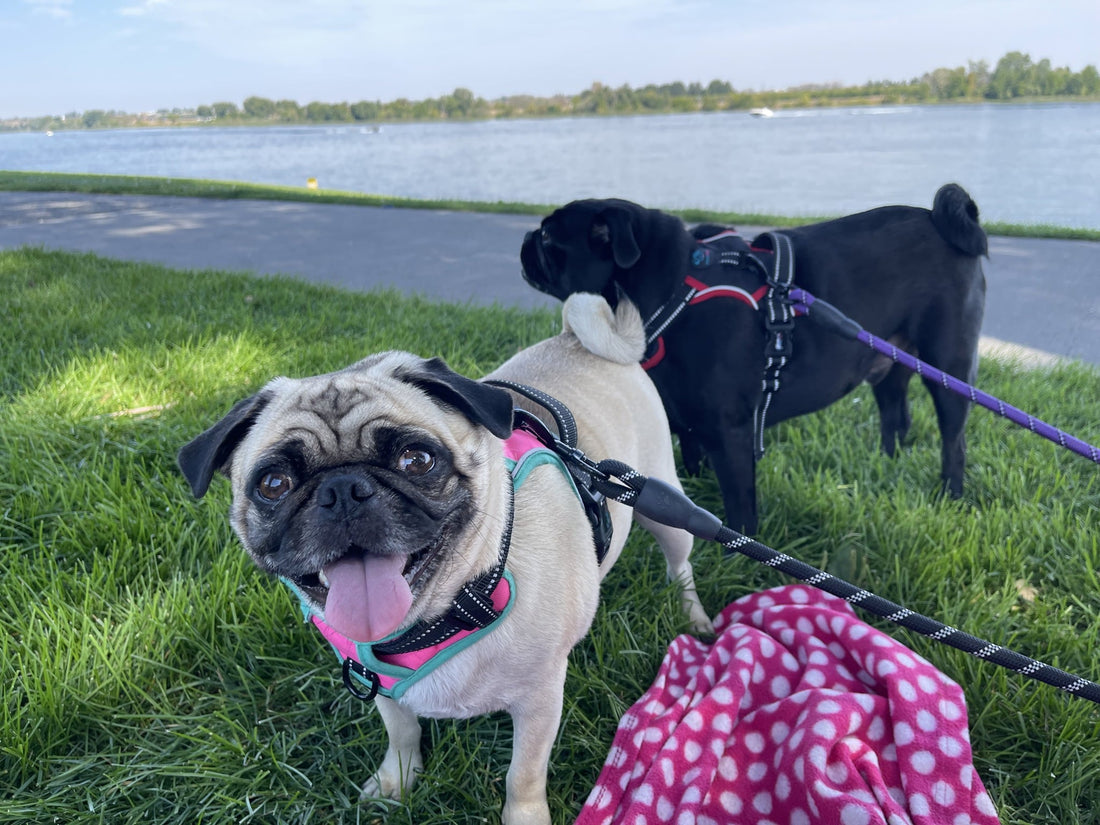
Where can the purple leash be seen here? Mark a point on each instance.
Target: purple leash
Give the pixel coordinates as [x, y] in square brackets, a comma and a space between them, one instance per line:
[833, 319]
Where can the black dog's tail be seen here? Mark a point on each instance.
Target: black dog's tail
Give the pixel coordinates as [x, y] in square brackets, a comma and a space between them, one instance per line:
[955, 217]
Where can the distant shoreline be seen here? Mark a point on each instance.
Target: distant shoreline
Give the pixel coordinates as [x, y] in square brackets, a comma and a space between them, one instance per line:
[149, 122]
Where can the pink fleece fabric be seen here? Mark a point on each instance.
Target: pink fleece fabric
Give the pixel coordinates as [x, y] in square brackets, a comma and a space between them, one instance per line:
[797, 713]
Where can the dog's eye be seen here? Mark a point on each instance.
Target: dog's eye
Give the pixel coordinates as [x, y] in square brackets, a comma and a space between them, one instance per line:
[545, 235]
[415, 461]
[274, 486]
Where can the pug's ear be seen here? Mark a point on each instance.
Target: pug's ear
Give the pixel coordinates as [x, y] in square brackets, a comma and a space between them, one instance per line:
[612, 226]
[482, 404]
[212, 450]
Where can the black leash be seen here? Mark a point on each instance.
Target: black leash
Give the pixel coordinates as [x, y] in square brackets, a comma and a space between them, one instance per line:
[667, 505]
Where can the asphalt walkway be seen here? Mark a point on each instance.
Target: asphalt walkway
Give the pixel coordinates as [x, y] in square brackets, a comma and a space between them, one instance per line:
[1043, 295]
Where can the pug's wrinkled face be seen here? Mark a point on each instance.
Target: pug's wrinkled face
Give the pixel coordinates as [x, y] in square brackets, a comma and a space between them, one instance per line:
[365, 487]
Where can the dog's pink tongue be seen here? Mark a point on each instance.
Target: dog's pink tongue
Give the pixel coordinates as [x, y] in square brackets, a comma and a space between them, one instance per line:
[367, 597]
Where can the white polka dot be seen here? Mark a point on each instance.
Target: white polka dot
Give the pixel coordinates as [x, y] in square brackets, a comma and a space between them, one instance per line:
[665, 810]
[926, 721]
[779, 732]
[876, 730]
[943, 794]
[765, 601]
[686, 818]
[692, 751]
[984, 804]
[804, 625]
[927, 684]
[923, 762]
[907, 691]
[886, 668]
[653, 735]
[798, 595]
[668, 771]
[918, 804]
[903, 733]
[782, 787]
[757, 771]
[818, 757]
[879, 640]
[644, 794]
[755, 743]
[857, 631]
[722, 696]
[691, 797]
[949, 710]
[814, 678]
[837, 773]
[694, 720]
[780, 687]
[906, 661]
[722, 723]
[962, 819]
[727, 769]
[731, 803]
[762, 802]
[854, 815]
[796, 739]
[789, 662]
[825, 729]
[828, 707]
[950, 746]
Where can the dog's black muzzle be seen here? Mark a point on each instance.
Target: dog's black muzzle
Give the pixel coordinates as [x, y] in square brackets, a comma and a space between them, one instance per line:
[534, 264]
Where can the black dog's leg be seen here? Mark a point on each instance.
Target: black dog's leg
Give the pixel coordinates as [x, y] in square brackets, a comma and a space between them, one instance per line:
[734, 462]
[892, 395]
[691, 453]
[951, 413]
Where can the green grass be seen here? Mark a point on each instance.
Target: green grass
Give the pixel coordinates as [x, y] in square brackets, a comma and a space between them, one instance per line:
[187, 187]
[150, 673]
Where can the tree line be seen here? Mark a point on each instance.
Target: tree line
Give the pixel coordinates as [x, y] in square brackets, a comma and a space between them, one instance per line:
[1014, 77]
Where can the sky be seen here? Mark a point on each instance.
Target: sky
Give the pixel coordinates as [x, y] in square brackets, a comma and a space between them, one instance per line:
[61, 56]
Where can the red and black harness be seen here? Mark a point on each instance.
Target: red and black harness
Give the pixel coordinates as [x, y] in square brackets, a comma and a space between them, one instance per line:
[769, 259]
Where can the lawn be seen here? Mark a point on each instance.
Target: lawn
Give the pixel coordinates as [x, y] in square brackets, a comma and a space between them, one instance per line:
[150, 673]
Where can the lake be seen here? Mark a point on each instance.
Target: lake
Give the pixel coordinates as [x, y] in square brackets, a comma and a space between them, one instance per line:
[1025, 163]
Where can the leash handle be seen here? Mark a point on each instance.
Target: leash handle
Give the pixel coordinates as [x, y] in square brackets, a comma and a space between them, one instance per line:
[665, 504]
[833, 319]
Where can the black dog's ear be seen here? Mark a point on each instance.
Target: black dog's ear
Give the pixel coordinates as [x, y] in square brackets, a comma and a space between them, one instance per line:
[485, 405]
[211, 451]
[613, 226]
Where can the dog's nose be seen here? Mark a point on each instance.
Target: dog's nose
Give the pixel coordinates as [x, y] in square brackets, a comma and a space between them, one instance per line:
[343, 494]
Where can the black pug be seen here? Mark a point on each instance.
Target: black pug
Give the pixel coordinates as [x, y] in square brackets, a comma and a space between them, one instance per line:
[909, 275]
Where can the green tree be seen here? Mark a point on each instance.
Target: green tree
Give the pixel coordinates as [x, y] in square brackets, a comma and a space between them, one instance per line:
[365, 110]
[259, 107]
[225, 110]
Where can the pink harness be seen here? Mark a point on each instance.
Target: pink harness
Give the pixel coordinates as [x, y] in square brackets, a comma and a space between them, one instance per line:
[393, 673]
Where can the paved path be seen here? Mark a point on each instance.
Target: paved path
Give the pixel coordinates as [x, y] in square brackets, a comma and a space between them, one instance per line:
[1042, 294]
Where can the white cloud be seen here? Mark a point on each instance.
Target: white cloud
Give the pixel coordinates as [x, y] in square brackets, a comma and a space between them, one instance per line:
[57, 9]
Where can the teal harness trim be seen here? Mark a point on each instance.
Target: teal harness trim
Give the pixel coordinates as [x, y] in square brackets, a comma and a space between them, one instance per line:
[393, 674]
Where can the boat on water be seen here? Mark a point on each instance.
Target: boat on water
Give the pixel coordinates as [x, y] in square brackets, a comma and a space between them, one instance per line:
[762, 111]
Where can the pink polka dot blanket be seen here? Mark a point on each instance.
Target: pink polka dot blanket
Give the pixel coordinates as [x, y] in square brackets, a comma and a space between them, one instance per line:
[797, 713]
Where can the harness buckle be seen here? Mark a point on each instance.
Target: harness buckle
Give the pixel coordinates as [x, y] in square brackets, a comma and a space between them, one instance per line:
[352, 666]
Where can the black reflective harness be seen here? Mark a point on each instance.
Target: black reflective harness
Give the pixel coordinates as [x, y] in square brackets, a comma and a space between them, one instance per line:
[770, 259]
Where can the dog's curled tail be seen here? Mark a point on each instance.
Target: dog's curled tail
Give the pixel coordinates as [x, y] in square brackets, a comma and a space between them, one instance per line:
[955, 216]
[617, 336]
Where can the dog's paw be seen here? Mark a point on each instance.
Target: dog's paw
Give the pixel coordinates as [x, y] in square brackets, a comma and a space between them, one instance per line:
[394, 778]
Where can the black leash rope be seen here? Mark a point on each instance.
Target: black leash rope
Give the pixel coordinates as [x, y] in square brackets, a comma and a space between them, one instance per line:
[667, 505]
